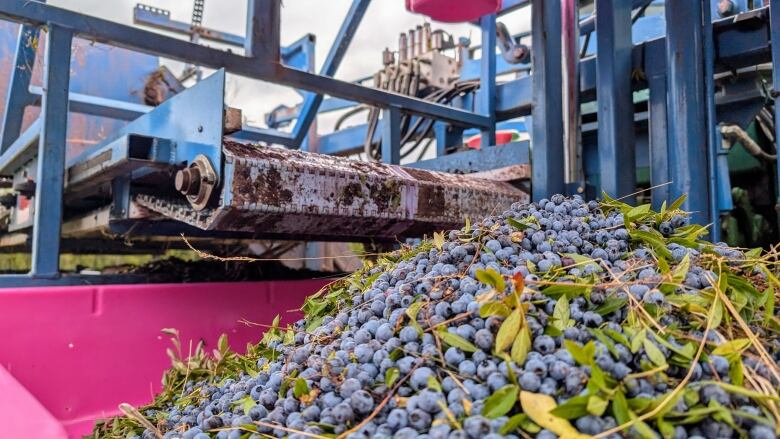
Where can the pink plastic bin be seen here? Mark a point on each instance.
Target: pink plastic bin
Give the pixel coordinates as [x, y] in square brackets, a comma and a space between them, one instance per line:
[453, 11]
[70, 355]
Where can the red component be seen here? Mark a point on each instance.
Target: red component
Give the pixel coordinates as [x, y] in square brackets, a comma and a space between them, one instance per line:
[453, 11]
[71, 355]
[502, 138]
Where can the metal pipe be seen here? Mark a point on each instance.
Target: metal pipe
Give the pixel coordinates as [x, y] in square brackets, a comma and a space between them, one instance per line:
[427, 36]
[420, 39]
[571, 81]
[412, 44]
[403, 46]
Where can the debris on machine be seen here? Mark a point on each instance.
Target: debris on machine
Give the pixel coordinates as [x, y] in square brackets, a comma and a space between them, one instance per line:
[562, 318]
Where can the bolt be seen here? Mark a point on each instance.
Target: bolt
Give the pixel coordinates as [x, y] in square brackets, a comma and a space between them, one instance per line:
[187, 181]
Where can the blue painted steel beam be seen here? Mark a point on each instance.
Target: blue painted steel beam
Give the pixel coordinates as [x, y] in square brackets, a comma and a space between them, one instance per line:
[546, 139]
[719, 194]
[615, 103]
[149, 42]
[774, 11]
[262, 30]
[659, 155]
[51, 154]
[17, 96]
[337, 51]
[21, 150]
[97, 106]
[686, 116]
[486, 95]
[391, 135]
[478, 160]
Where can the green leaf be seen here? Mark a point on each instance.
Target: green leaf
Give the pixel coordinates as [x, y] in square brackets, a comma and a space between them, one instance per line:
[561, 313]
[493, 278]
[676, 204]
[656, 241]
[522, 421]
[736, 371]
[620, 408]
[573, 408]
[522, 345]
[433, 383]
[596, 405]
[638, 340]
[580, 353]
[655, 354]
[600, 336]
[571, 291]
[412, 312]
[501, 402]
[456, 340]
[579, 259]
[301, 388]
[508, 331]
[732, 347]
[391, 375]
[517, 224]
[611, 305]
[638, 213]
[493, 309]
[246, 403]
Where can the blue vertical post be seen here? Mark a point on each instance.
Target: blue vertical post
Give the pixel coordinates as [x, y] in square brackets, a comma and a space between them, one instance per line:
[391, 135]
[547, 139]
[262, 30]
[51, 153]
[615, 102]
[343, 39]
[446, 136]
[718, 183]
[487, 78]
[659, 157]
[18, 95]
[686, 116]
[774, 17]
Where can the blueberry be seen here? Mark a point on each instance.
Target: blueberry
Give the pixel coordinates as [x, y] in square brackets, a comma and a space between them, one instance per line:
[476, 427]
[544, 344]
[484, 339]
[530, 381]
[419, 420]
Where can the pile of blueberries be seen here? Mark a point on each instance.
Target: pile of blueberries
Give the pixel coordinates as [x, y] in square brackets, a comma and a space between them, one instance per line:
[439, 391]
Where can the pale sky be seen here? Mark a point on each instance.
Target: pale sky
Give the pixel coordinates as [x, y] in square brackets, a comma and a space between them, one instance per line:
[379, 29]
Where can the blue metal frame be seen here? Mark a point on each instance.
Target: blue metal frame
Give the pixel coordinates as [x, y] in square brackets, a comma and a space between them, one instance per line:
[51, 154]
[774, 17]
[192, 123]
[18, 96]
[615, 104]
[546, 141]
[685, 115]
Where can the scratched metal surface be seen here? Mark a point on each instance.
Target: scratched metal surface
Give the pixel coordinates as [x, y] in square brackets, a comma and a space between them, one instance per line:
[275, 191]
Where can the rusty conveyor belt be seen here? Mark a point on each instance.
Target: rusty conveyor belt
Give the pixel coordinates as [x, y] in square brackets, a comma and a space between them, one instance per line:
[281, 192]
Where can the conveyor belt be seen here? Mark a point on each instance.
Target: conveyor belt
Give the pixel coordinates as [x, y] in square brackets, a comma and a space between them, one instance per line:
[273, 191]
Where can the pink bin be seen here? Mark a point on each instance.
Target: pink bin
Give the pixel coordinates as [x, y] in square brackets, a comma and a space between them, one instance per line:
[70, 355]
[453, 11]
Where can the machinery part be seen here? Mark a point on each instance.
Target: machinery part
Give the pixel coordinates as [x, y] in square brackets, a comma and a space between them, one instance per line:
[197, 182]
[734, 133]
[512, 52]
[273, 191]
